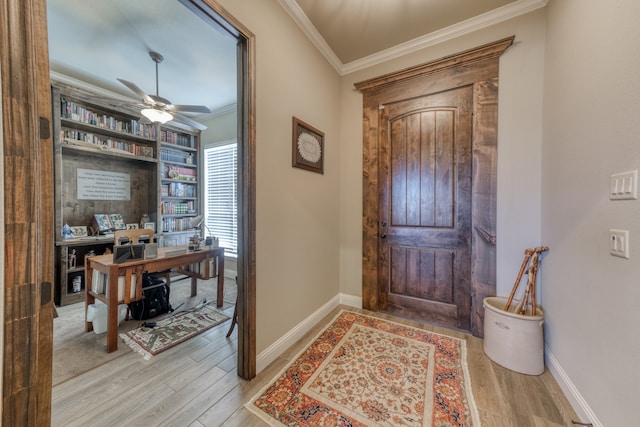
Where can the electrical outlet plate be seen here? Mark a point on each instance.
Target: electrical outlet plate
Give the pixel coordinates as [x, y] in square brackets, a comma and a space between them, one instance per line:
[619, 243]
[624, 185]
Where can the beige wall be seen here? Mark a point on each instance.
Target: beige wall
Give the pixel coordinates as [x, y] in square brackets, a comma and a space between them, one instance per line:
[591, 130]
[297, 211]
[567, 120]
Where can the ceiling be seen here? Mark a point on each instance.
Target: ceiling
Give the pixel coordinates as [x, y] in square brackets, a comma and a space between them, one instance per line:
[98, 41]
[354, 29]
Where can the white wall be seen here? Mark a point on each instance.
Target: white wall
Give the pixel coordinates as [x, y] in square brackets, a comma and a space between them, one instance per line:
[297, 211]
[591, 130]
[519, 146]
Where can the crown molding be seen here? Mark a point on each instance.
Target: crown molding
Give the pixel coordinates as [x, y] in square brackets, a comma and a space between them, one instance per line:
[493, 17]
[300, 18]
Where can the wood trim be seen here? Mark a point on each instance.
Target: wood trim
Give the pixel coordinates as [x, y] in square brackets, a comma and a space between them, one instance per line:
[466, 58]
[246, 303]
[477, 67]
[28, 214]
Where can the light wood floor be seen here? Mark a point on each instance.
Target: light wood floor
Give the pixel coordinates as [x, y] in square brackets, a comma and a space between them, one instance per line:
[195, 385]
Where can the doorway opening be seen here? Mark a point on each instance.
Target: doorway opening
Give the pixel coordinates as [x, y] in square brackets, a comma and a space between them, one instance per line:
[242, 44]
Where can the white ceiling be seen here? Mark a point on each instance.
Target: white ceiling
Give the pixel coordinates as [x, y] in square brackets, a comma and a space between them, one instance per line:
[98, 41]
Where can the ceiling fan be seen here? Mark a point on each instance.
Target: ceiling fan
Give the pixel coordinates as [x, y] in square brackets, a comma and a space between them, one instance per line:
[157, 109]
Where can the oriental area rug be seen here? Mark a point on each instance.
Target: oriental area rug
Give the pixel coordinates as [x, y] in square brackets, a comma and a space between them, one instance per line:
[172, 330]
[366, 371]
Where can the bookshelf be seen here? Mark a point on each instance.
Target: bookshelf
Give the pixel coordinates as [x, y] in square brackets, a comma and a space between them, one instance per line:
[179, 189]
[107, 162]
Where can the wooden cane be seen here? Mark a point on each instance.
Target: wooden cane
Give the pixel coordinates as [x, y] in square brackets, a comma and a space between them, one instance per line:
[527, 255]
[539, 250]
[521, 308]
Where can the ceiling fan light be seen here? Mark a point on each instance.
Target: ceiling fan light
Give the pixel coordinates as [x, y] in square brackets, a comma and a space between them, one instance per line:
[156, 116]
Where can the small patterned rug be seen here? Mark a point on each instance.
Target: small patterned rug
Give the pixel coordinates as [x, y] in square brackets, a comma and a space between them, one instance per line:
[365, 371]
[172, 330]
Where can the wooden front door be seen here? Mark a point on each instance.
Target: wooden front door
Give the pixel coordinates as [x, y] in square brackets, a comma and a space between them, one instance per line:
[425, 207]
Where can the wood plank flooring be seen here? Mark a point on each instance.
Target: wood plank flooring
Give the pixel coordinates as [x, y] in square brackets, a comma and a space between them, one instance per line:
[195, 384]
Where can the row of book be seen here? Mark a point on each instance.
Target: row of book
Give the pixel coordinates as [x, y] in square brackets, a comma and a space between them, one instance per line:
[176, 156]
[178, 208]
[176, 224]
[79, 113]
[71, 136]
[179, 173]
[177, 189]
[181, 139]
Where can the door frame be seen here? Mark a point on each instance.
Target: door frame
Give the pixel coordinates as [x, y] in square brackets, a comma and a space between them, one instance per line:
[26, 311]
[246, 137]
[477, 67]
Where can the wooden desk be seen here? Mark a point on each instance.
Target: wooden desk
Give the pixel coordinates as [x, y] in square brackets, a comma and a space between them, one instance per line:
[104, 264]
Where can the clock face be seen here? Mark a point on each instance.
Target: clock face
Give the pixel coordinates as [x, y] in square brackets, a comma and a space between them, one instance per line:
[309, 147]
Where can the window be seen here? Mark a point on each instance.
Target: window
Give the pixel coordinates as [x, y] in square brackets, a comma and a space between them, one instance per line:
[221, 193]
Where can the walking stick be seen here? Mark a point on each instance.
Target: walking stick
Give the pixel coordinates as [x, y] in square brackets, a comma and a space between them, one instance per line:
[527, 255]
[530, 291]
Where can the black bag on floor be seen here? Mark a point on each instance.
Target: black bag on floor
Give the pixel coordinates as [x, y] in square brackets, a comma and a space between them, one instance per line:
[155, 299]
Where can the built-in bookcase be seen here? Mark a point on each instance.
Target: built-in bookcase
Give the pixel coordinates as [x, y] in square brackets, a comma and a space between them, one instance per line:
[153, 169]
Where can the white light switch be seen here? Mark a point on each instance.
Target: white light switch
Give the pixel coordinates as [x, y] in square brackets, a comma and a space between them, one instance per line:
[624, 185]
[619, 243]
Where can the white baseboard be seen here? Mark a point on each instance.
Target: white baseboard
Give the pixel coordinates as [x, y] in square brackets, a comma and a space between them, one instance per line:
[573, 395]
[272, 352]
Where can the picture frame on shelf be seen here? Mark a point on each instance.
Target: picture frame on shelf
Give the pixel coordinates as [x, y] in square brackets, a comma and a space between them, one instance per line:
[132, 226]
[101, 223]
[150, 226]
[117, 221]
[79, 231]
[307, 147]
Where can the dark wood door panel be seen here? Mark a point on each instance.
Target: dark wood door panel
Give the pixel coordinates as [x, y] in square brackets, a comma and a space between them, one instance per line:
[429, 311]
[422, 273]
[425, 207]
[476, 68]
[420, 165]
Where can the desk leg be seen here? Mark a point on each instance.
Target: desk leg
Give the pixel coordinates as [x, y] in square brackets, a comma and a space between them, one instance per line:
[112, 311]
[194, 284]
[88, 298]
[220, 267]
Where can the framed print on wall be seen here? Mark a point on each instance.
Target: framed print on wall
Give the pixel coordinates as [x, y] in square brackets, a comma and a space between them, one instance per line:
[307, 147]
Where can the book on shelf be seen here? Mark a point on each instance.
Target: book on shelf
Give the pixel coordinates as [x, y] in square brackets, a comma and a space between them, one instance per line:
[75, 137]
[180, 173]
[79, 113]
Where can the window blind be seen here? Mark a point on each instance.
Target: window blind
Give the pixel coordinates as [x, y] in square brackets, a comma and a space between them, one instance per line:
[221, 193]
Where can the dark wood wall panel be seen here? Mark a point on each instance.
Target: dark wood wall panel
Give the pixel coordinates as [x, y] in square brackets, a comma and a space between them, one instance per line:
[80, 212]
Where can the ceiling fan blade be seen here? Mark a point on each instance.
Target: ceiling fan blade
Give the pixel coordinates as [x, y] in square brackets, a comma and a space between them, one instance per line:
[160, 100]
[189, 109]
[187, 121]
[135, 89]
